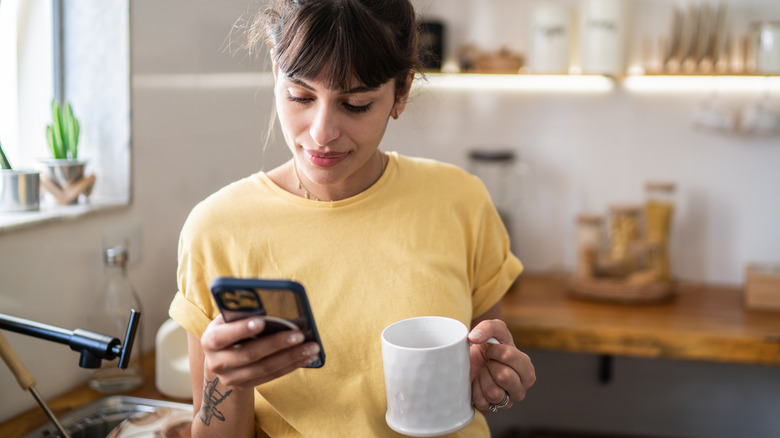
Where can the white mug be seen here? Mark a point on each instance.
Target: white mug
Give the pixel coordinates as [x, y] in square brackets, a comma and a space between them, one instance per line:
[426, 366]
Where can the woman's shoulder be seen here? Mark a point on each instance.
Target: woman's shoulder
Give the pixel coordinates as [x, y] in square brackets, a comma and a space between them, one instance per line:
[437, 174]
[227, 201]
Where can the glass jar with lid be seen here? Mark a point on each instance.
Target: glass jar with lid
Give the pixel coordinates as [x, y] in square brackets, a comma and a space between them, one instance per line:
[495, 168]
[658, 211]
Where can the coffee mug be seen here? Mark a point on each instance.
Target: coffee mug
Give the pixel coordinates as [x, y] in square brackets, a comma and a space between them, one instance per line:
[426, 366]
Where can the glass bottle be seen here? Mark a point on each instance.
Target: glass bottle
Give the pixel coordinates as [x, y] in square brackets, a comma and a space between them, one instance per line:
[110, 316]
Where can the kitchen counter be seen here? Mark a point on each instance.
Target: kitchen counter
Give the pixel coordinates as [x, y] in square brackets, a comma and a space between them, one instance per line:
[76, 398]
[699, 322]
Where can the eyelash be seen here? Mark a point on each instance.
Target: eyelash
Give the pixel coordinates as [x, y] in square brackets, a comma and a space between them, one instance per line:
[349, 107]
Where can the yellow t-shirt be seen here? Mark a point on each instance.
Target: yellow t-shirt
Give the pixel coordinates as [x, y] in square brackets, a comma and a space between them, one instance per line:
[423, 240]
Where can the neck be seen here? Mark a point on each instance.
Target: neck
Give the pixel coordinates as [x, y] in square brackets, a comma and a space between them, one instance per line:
[377, 169]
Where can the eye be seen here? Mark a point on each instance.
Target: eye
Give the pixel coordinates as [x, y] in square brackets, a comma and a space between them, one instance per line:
[357, 108]
[296, 99]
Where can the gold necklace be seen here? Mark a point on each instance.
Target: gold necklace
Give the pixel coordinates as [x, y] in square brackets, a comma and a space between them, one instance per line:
[306, 193]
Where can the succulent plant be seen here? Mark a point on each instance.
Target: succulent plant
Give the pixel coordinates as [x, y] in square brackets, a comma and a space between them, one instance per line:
[4, 164]
[63, 133]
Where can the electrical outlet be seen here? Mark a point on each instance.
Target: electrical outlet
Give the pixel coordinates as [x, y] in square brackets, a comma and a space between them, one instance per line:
[127, 234]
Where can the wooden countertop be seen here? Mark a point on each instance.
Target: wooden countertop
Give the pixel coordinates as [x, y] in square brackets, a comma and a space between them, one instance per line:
[698, 323]
[74, 399]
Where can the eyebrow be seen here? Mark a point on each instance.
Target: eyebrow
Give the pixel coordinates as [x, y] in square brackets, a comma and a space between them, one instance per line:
[358, 89]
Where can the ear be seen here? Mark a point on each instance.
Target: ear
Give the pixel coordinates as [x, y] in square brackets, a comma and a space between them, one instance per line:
[274, 68]
[403, 96]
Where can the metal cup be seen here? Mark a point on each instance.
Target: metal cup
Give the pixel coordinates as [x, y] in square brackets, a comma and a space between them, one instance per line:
[19, 190]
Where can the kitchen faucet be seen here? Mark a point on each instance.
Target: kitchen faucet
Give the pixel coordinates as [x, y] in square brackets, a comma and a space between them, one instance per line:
[94, 347]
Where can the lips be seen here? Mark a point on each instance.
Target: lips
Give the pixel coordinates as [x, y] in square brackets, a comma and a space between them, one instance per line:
[325, 159]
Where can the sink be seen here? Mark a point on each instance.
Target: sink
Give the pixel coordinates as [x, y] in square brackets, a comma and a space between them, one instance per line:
[99, 418]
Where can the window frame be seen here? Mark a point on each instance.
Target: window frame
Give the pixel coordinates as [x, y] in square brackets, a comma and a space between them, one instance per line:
[106, 144]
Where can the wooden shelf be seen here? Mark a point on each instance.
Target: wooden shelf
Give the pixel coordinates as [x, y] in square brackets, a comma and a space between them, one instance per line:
[700, 322]
[678, 83]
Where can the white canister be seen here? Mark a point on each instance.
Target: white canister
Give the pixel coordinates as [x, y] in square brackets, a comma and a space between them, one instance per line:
[767, 49]
[172, 367]
[551, 28]
[603, 36]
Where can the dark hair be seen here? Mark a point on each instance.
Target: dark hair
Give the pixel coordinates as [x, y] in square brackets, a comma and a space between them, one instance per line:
[369, 41]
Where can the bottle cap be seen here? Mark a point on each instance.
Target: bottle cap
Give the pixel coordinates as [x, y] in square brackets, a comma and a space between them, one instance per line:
[116, 256]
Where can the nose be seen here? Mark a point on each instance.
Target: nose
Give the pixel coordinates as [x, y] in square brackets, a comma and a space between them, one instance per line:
[324, 127]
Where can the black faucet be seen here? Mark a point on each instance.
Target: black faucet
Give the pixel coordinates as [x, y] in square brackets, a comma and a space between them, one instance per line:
[93, 347]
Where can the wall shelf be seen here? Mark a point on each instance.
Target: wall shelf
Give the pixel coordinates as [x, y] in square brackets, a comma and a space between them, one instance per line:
[601, 84]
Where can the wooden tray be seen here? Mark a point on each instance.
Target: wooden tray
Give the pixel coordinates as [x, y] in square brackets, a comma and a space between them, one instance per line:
[621, 291]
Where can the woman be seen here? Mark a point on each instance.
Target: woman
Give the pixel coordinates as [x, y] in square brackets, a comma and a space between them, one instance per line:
[374, 237]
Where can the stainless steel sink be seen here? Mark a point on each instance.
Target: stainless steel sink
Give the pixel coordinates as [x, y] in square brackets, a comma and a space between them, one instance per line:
[99, 418]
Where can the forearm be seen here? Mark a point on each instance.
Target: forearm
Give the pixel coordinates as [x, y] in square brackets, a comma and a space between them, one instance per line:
[219, 411]
[224, 412]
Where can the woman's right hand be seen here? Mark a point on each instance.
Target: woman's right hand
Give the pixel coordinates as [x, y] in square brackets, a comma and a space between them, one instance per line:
[224, 372]
[254, 362]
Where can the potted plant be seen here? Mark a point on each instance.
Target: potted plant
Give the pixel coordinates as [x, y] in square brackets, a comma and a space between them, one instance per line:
[64, 173]
[19, 189]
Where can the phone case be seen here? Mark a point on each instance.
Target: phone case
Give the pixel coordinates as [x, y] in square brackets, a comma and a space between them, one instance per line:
[283, 303]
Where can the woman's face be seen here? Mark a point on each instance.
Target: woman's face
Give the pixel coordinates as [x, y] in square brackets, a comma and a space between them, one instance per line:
[334, 135]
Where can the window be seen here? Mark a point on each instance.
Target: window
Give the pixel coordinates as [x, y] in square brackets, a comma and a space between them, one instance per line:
[25, 47]
[94, 77]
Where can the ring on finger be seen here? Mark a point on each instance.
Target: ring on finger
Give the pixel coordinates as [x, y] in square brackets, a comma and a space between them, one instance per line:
[494, 408]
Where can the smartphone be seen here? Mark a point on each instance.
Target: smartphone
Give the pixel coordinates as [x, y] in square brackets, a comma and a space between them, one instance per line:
[282, 303]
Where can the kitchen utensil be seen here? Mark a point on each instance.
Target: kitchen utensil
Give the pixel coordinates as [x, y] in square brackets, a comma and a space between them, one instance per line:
[26, 381]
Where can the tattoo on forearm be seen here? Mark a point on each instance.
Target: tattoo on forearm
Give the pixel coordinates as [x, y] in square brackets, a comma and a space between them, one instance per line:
[211, 398]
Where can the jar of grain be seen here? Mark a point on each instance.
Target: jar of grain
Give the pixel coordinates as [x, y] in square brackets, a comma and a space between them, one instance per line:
[590, 239]
[658, 209]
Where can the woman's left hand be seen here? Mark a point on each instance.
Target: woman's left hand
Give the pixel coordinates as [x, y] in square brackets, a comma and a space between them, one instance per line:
[500, 373]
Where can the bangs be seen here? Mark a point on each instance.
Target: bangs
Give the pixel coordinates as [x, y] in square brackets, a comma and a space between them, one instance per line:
[340, 40]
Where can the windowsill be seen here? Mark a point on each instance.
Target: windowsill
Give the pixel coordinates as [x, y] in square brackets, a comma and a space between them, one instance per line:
[57, 213]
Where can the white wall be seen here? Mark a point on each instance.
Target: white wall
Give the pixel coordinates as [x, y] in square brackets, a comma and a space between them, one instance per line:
[584, 151]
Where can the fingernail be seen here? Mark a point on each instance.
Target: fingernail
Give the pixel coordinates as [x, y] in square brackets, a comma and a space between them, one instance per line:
[295, 338]
[476, 334]
[256, 324]
[311, 350]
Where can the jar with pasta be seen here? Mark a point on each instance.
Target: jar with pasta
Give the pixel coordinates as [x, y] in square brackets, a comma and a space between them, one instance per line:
[624, 233]
[658, 210]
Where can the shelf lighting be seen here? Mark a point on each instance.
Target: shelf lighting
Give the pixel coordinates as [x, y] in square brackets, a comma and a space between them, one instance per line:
[518, 82]
[693, 83]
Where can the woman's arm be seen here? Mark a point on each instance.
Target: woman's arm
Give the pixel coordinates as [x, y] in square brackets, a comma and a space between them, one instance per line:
[224, 373]
[497, 370]
[219, 411]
